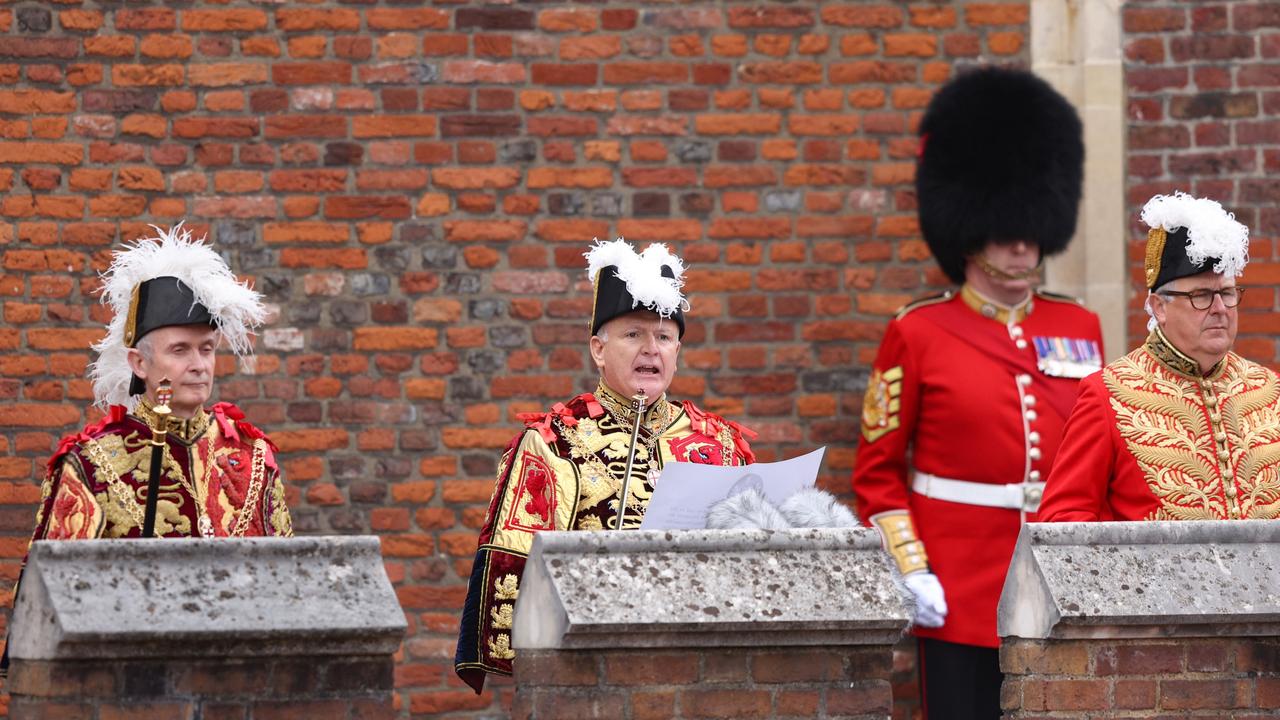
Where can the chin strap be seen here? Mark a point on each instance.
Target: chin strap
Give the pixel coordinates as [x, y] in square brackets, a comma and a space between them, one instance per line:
[999, 274]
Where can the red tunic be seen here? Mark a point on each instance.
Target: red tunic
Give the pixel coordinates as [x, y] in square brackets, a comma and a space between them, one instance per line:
[1150, 439]
[954, 394]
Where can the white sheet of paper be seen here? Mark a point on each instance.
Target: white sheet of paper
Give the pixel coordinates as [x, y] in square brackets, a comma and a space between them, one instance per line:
[685, 491]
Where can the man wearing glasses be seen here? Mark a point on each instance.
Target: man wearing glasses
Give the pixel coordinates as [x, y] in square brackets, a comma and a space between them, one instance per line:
[1181, 428]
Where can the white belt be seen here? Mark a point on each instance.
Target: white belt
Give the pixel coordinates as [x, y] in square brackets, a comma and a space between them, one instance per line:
[1015, 496]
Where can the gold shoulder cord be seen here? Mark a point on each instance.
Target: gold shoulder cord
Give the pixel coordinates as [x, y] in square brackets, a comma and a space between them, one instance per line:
[255, 488]
[898, 534]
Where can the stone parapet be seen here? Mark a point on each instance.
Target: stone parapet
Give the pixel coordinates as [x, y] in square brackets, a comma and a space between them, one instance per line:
[1142, 620]
[748, 624]
[303, 627]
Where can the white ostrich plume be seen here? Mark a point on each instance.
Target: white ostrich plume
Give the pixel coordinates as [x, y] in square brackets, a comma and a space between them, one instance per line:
[1212, 232]
[642, 273]
[236, 308]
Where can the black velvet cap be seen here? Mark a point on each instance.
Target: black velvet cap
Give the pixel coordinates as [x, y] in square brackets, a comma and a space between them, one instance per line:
[613, 299]
[161, 302]
[1173, 261]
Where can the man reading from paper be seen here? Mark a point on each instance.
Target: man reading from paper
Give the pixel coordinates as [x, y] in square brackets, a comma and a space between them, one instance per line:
[568, 469]
[1182, 428]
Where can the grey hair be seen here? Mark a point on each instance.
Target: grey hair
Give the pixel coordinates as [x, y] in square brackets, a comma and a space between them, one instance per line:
[145, 348]
[1146, 305]
[603, 334]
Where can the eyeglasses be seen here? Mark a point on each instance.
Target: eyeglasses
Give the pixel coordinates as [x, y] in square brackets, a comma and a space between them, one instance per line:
[1203, 299]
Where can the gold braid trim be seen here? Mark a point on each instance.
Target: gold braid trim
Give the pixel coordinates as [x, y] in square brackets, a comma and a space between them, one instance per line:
[124, 497]
[898, 533]
[1156, 238]
[255, 487]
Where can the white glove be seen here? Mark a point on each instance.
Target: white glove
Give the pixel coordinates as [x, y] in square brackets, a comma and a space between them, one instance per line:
[931, 602]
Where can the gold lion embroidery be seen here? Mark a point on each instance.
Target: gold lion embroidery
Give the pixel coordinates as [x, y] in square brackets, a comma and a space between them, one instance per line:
[881, 404]
[502, 615]
[506, 588]
[500, 647]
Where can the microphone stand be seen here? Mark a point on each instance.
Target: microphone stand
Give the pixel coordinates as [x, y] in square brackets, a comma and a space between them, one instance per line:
[637, 402]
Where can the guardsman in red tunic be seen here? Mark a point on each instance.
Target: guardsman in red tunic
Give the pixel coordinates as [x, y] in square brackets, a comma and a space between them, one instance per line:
[566, 470]
[174, 301]
[970, 390]
[1181, 428]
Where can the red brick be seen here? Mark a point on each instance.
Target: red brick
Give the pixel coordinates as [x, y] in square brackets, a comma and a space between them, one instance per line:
[725, 703]
[227, 20]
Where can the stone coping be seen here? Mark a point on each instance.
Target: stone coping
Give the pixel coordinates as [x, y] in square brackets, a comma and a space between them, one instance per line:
[205, 598]
[688, 588]
[1143, 579]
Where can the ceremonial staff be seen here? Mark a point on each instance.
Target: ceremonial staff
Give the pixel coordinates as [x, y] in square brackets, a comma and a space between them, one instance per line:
[159, 432]
[638, 402]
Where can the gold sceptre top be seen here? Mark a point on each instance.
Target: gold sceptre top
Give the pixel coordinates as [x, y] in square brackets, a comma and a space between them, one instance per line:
[638, 402]
[164, 393]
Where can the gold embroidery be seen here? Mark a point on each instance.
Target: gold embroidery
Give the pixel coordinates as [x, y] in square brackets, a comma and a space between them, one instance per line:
[506, 588]
[1155, 252]
[281, 520]
[249, 507]
[1208, 447]
[500, 647]
[881, 404]
[502, 616]
[898, 535]
[1173, 358]
[590, 522]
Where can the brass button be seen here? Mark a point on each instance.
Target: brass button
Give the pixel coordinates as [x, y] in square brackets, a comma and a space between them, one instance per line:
[1029, 401]
[1033, 437]
[1030, 415]
[1231, 492]
[1223, 455]
[1211, 401]
[1034, 453]
[1220, 436]
[1214, 417]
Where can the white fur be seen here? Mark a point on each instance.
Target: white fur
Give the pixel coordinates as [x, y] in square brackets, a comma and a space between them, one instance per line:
[748, 510]
[235, 306]
[642, 273]
[816, 508]
[1212, 232]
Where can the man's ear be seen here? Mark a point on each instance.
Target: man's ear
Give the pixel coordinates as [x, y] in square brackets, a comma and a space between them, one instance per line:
[597, 351]
[1158, 309]
[135, 363]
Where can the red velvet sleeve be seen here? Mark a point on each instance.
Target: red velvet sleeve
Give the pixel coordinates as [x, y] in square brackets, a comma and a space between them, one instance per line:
[1077, 487]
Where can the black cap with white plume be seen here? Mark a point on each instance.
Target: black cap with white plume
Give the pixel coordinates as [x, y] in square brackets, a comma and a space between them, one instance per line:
[155, 282]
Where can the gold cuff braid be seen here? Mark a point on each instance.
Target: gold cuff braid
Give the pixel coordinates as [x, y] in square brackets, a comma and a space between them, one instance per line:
[898, 534]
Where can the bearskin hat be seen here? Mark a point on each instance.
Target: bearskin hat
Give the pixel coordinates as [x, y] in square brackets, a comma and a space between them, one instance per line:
[1001, 158]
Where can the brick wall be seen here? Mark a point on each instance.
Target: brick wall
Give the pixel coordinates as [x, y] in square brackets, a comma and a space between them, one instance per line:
[344, 688]
[838, 682]
[1189, 677]
[413, 186]
[1204, 117]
